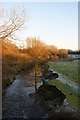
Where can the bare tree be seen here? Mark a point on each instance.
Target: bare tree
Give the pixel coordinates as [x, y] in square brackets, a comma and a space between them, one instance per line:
[39, 52]
[14, 22]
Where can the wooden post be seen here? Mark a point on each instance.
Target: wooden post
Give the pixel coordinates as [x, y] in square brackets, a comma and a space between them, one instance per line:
[36, 66]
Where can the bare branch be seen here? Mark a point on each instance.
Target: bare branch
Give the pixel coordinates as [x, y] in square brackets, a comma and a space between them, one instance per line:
[14, 23]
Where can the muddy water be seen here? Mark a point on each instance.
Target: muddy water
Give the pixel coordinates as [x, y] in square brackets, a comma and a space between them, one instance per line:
[18, 104]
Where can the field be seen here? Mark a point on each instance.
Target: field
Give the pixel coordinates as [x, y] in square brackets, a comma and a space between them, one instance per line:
[70, 71]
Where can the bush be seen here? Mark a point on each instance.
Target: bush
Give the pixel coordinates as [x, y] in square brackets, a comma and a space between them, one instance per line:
[54, 58]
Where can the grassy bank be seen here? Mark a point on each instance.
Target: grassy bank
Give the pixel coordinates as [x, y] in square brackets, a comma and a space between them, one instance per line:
[71, 95]
[68, 69]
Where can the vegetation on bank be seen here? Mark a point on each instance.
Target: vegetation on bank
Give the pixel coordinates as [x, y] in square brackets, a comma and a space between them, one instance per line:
[12, 62]
[14, 59]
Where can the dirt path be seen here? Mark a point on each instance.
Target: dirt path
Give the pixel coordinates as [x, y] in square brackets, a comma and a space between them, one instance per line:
[18, 104]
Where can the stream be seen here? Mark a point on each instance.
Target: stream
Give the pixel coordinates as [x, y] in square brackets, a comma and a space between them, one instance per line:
[18, 104]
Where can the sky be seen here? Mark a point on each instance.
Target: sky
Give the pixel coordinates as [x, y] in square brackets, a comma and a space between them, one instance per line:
[55, 23]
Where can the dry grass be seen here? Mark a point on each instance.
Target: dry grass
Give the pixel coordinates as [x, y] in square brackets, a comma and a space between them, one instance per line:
[12, 62]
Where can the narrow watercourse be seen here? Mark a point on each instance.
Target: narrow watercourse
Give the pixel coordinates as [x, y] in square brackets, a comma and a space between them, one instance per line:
[17, 103]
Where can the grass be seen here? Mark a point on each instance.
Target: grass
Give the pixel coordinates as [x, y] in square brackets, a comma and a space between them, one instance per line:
[68, 69]
[71, 95]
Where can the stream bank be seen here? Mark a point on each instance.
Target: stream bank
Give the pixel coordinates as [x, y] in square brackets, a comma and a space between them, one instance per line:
[19, 104]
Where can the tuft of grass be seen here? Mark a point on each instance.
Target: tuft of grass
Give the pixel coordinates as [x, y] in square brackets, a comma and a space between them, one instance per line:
[72, 96]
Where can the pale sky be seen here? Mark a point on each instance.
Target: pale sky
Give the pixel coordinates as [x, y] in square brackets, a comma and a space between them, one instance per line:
[55, 23]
